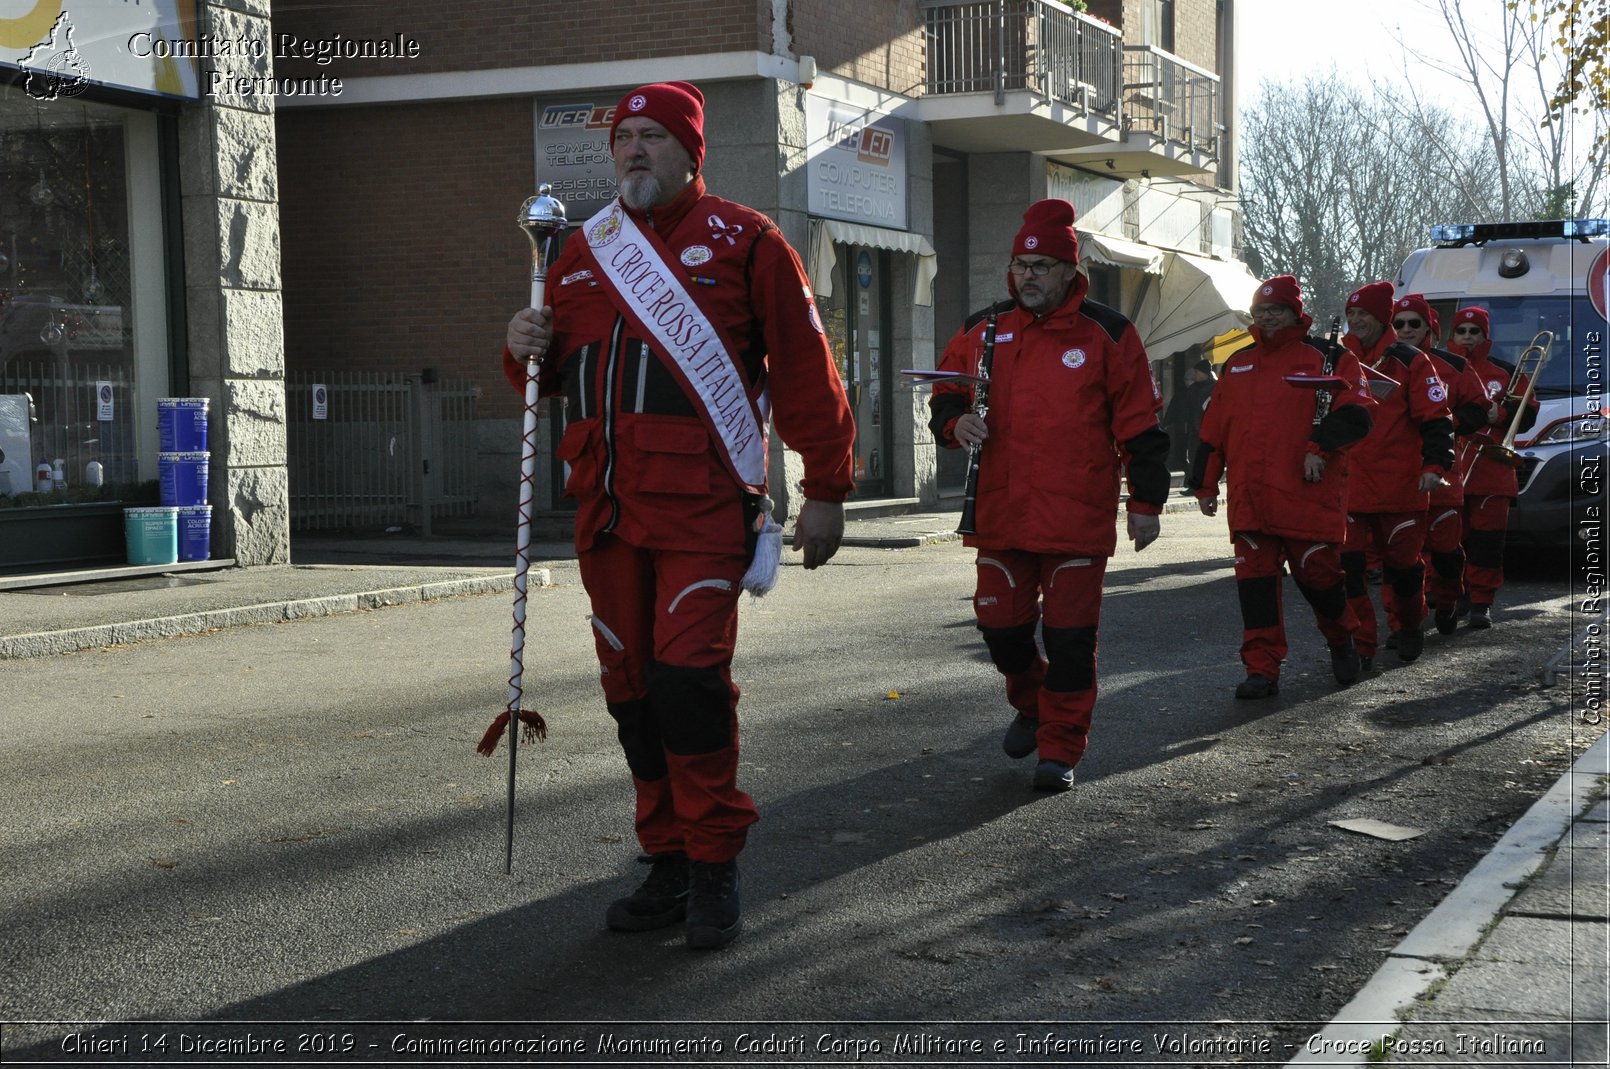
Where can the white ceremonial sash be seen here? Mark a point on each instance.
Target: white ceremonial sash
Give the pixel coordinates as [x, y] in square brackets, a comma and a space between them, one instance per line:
[653, 297]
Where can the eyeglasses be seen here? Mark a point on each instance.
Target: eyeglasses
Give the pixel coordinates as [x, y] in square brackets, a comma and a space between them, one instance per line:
[1267, 311]
[1407, 324]
[1032, 268]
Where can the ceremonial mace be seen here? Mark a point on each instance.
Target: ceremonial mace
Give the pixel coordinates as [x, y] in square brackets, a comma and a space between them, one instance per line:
[542, 217]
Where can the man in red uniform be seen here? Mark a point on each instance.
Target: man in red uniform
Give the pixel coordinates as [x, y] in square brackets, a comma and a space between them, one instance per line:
[1285, 448]
[1408, 451]
[1071, 402]
[1490, 482]
[672, 314]
[1416, 324]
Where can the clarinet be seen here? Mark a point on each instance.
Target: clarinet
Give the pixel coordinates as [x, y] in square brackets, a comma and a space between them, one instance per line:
[981, 410]
[1327, 367]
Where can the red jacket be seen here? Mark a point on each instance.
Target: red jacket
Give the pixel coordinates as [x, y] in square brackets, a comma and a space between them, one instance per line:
[643, 464]
[1467, 401]
[1487, 476]
[1259, 427]
[1412, 432]
[1071, 403]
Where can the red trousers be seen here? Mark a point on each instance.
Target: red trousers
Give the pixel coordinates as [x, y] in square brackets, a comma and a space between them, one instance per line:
[1397, 538]
[1486, 522]
[665, 624]
[1058, 688]
[1316, 568]
[1444, 550]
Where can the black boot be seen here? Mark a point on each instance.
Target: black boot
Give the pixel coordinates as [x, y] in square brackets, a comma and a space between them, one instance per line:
[661, 901]
[713, 908]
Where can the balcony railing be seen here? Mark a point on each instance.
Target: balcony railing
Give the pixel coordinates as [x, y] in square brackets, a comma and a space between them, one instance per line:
[1171, 98]
[981, 46]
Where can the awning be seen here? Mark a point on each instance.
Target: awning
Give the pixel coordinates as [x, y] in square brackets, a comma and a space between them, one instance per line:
[1196, 299]
[826, 232]
[1223, 345]
[1116, 252]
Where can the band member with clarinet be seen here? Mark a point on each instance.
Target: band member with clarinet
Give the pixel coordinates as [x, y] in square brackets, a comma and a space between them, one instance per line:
[1491, 484]
[1072, 404]
[1283, 416]
[671, 314]
[1415, 322]
[1408, 452]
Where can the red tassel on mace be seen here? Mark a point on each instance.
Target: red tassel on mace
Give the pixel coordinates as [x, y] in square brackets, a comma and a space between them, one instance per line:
[535, 728]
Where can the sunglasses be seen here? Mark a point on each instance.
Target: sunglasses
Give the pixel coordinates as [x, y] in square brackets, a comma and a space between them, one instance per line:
[1407, 324]
[1467, 330]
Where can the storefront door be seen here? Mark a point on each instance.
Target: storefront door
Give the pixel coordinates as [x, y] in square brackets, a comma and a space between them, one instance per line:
[857, 317]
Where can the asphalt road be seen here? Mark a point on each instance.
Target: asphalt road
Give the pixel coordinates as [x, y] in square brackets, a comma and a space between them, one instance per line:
[289, 823]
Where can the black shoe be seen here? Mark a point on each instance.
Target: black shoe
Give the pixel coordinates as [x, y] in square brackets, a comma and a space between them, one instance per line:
[713, 909]
[1461, 608]
[1447, 620]
[1480, 617]
[1053, 776]
[661, 901]
[1020, 736]
[1365, 663]
[1344, 663]
[1257, 687]
[1391, 642]
[1410, 642]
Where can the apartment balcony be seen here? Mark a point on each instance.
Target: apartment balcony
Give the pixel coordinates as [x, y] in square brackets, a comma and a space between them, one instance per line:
[1036, 76]
[1019, 75]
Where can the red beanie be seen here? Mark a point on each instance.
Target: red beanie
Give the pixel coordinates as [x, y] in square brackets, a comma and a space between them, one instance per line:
[1282, 289]
[1048, 231]
[1374, 298]
[1416, 303]
[677, 106]
[1476, 315]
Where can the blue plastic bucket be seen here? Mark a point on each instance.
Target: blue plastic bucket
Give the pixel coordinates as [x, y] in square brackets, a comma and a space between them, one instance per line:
[184, 478]
[195, 532]
[152, 535]
[182, 424]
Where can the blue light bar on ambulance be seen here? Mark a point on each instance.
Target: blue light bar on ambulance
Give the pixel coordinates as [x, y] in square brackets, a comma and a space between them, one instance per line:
[1473, 233]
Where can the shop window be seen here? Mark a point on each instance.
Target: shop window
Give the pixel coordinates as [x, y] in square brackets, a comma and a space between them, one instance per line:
[82, 318]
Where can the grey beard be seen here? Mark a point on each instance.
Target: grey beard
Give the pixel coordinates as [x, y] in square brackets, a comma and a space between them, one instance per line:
[640, 192]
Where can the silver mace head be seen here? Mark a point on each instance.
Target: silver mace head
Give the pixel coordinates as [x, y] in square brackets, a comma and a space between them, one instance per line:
[542, 217]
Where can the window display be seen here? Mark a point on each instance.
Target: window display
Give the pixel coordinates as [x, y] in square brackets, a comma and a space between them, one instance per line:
[69, 374]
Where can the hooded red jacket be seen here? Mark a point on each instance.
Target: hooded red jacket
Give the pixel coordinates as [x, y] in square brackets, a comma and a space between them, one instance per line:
[1071, 404]
[1258, 426]
[1467, 402]
[642, 462]
[1412, 432]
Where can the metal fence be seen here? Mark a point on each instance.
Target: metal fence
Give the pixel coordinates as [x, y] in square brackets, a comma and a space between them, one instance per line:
[64, 406]
[378, 449]
[1171, 98]
[997, 46]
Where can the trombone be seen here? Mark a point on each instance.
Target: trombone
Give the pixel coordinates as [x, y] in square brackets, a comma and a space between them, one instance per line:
[1536, 355]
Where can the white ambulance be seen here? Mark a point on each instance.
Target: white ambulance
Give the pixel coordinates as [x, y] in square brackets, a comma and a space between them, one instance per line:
[1532, 277]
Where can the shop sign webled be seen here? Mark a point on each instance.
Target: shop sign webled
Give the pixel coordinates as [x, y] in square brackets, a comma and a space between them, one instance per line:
[857, 164]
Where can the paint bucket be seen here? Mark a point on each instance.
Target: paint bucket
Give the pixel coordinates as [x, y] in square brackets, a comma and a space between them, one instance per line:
[152, 535]
[183, 478]
[182, 424]
[195, 532]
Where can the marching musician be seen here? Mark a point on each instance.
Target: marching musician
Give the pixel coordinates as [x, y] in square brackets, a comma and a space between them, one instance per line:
[1071, 407]
[1408, 451]
[1415, 322]
[1491, 484]
[1285, 448]
[666, 444]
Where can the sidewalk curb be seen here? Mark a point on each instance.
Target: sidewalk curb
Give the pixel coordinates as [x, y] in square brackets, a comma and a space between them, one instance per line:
[1460, 921]
[46, 643]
